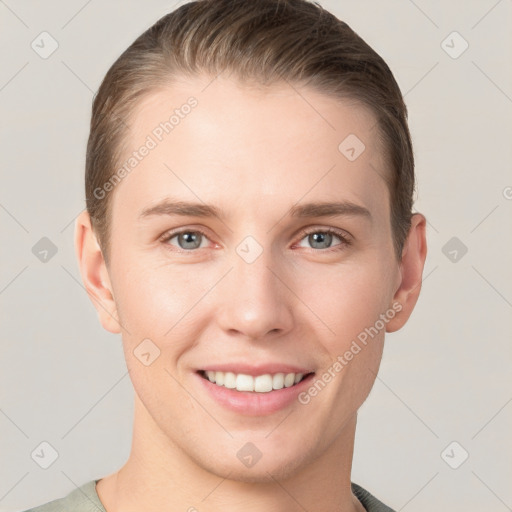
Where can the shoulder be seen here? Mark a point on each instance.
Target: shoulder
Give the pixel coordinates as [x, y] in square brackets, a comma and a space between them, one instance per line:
[369, 502]
[81, 499]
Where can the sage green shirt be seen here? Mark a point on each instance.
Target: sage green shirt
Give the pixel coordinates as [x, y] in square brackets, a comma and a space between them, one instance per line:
[85, 499]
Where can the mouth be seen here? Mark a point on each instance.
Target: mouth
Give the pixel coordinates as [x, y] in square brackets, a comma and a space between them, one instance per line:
[264, 383]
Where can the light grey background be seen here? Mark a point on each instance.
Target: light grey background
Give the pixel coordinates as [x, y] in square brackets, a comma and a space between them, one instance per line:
[444, 377]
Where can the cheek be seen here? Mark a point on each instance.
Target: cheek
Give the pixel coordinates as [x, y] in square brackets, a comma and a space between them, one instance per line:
[156, 299]
[166, 304]
[156, 308]
[346, 299]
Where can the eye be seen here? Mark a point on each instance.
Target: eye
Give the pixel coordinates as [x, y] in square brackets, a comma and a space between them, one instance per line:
[187, 240]
[322, 239]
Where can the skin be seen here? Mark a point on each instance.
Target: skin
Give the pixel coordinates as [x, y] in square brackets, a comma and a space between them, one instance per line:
[253, 153]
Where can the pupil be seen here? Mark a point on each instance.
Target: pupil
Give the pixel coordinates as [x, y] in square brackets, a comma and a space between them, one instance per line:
[190, 238]
[321, 237]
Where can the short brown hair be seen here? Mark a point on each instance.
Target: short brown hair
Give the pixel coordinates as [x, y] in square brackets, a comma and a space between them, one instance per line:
[260, 42]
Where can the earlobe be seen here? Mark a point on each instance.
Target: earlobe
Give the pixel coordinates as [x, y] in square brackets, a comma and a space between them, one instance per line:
[94, 273]
[411, 272]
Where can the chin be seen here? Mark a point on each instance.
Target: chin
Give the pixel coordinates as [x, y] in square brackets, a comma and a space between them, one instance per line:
[266, 470]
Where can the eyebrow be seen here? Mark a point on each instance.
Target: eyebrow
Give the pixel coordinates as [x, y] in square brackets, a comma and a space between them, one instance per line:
[305, 210]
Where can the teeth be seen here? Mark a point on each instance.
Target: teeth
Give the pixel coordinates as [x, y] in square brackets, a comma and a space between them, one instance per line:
[229, 380]
[260, 384]
[219, 378]
[263, 383]
[278, 381]
[289, 380]
[244, 382]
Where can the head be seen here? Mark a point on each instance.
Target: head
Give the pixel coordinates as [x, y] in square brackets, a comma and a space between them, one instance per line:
[252, 110]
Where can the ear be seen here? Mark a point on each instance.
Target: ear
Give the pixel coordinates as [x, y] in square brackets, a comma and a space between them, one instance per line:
[414, 254]
[94, 273]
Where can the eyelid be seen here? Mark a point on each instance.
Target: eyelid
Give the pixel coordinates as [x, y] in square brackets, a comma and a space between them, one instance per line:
[345, 235]
[191, 229]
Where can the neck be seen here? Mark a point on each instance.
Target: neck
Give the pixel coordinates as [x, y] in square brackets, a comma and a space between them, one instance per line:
[159, 475]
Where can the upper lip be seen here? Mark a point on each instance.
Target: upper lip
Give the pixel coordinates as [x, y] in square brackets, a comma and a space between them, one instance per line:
[254, 370]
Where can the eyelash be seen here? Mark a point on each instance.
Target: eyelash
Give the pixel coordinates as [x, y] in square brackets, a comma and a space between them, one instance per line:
[345, 241]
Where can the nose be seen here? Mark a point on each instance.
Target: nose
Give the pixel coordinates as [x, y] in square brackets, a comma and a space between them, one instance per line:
[257, 301]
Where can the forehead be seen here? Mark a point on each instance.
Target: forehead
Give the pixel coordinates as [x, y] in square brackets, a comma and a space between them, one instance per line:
[220, 140]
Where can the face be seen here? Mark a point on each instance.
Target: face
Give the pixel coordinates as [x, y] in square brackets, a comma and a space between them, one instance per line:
[253, 279]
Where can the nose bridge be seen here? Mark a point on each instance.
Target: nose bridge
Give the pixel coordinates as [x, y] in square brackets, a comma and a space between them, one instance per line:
[252, 265]
[255, 300]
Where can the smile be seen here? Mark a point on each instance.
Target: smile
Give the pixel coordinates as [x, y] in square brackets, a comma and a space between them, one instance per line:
[258, 384]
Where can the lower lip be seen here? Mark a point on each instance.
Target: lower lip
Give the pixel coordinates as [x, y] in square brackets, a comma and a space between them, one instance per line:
[252, 403]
